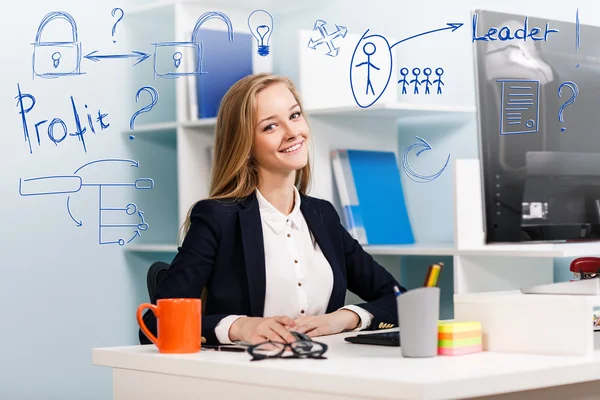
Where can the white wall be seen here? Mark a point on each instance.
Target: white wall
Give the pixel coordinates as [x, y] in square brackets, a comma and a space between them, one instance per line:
[62, 293]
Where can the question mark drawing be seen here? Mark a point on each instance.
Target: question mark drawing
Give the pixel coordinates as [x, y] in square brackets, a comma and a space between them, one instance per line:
[114, 28]
[575, 90]
[154, 94]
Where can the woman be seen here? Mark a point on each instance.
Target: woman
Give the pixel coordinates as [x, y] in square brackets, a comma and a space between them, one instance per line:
[272, 258]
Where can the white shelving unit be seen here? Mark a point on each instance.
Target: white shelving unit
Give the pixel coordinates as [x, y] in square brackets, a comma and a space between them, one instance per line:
[199, 134]
[497, 267]
[477, 267]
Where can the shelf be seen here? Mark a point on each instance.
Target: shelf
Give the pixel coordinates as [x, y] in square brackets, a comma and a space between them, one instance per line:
[200, 123]
[394, 110]
[517, 297]
[152, 248]
[172, 126]
[151, 128]
[389, 110]
[441, 249]
[164, 133]
[549, 250]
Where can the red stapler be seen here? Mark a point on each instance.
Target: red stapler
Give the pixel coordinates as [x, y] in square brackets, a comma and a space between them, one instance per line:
[585, 267]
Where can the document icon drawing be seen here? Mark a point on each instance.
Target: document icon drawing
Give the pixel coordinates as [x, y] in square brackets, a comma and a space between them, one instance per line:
[520, 106]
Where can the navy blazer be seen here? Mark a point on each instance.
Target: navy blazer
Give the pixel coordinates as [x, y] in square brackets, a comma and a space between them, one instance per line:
[224, 252]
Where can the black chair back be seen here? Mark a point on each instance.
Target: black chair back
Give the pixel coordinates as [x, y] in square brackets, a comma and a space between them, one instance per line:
[156, 273]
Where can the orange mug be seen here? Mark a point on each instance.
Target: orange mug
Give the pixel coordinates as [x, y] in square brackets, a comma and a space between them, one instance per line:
[178, 323]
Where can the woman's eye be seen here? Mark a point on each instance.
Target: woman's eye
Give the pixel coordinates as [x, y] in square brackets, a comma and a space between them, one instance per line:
[269, 127]
[296, 115]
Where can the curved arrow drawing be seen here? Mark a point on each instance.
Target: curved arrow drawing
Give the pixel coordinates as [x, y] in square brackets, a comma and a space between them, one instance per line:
[451, 25]
[79, 223]
[133, 163]
[137, 233]
[424, 146]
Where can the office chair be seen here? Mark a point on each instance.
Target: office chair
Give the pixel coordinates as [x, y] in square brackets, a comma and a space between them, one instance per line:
[156, 273]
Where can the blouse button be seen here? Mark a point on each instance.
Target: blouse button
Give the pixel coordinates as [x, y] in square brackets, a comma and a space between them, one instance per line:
[302, 311]
[289, 235]
[299, 283]
[295, 261]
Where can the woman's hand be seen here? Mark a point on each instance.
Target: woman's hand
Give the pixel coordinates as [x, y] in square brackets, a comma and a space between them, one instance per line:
[327, 324]
[255, 330]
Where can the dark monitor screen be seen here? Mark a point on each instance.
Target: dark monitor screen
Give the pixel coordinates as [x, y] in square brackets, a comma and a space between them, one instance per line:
[538, 108]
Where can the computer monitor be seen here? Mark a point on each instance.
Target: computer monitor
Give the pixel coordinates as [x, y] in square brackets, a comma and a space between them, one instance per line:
[538, 109]
[568, 184]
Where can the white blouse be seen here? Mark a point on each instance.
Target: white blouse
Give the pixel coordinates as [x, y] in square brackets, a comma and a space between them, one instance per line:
[299, 279]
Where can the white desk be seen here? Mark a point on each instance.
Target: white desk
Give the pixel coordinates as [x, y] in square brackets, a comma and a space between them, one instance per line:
[351, 372]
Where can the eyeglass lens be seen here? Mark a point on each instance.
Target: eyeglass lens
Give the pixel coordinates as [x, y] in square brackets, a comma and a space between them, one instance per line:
[300, 348]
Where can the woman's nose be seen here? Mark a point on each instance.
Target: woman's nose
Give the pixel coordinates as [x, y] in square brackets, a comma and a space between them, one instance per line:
[291, 133]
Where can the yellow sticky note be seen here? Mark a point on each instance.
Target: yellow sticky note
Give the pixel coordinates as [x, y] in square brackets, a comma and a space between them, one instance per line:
[458, 326]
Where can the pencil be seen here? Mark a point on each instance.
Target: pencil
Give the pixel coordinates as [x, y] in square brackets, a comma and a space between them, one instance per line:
[427, 276]
[433, 275]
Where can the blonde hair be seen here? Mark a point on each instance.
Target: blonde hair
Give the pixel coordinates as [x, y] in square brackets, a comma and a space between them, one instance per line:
[234, 174]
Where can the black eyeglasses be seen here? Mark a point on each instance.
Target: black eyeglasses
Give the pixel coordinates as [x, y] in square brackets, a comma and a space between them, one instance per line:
[299, 349]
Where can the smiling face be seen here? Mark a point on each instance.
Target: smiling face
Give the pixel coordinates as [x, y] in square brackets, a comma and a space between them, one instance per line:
[281, 134]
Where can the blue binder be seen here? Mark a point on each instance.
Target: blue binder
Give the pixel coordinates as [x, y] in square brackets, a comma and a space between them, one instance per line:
[225, 63]
[381, 202]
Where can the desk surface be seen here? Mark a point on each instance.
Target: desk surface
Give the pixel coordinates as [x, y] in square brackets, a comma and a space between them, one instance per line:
[378, 370]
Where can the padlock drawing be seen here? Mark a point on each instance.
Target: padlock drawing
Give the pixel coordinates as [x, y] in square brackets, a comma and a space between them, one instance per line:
[54, 58]
[176, 59]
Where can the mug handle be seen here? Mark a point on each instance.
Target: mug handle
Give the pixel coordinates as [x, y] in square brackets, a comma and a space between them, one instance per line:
[141, 323]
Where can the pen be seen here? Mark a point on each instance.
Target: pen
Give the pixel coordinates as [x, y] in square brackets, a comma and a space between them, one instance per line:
[224, 348]
[396, 291]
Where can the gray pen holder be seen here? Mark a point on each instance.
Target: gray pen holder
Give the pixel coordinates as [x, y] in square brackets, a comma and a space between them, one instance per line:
[418, 316]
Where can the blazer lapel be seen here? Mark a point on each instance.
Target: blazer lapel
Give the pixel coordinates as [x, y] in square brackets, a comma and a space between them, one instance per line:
[316, 224]
[254, 253]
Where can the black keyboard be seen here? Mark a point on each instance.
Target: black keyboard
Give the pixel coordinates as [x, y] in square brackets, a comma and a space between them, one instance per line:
[379, 339]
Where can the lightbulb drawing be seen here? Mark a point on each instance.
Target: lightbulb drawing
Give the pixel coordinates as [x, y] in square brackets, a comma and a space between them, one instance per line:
[260, 23]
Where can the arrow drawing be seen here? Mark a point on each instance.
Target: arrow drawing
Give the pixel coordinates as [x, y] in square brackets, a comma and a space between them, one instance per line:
[137, 233]
[377, 46]
[133, 163]
[140, 55]
[63, 184]
[327, 38]
[130, 209]
[422, 145]
[79, 223]
[451, 25]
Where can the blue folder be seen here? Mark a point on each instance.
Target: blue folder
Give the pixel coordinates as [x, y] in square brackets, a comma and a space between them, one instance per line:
[383, 212]
[225, 63]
